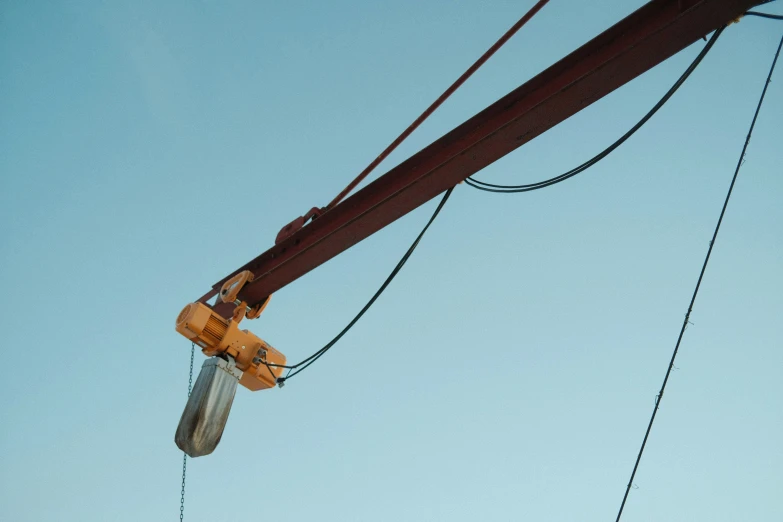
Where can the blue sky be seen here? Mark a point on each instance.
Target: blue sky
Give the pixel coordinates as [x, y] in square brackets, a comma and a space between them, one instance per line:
[148, 148]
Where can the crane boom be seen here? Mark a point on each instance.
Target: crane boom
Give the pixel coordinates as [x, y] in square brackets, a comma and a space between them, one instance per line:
[650, 35]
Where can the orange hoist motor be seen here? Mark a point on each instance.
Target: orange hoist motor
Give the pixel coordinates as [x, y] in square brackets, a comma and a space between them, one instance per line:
[217, 336]
[235, 357]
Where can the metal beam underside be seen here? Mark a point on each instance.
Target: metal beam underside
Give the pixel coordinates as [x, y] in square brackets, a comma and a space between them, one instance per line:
[653, 33]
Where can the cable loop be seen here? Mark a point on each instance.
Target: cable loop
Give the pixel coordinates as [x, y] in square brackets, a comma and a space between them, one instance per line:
[509, 189]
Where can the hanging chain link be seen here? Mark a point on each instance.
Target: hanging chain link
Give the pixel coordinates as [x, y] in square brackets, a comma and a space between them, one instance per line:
[190, 376]
[184, 455]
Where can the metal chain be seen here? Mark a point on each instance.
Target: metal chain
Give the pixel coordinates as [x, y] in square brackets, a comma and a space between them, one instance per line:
[190, 376]
[184, 455]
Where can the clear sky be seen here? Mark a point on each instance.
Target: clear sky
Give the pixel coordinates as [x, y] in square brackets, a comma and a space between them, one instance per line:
[149, 148]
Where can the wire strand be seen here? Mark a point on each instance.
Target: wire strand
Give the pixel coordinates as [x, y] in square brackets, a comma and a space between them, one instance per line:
[698, 283]
[302, 365]
[509, 189]
[764, 15]
[437, 103]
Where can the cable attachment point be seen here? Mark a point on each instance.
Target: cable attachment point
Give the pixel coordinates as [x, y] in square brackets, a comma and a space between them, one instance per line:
[229, 293]
[297, 224]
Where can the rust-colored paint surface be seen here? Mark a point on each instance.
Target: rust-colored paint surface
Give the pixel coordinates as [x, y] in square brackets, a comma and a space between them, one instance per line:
[647, 37]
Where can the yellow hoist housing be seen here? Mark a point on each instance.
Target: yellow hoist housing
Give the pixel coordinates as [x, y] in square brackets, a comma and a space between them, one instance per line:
[218, 336]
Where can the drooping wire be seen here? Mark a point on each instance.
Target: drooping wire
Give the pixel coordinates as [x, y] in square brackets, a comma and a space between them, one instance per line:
[185, 455]
[509, 189]
[302, 365]
[437, 103]
[519, 188]
[659, 397]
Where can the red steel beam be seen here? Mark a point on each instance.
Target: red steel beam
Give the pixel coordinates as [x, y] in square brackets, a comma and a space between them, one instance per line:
[644, 39]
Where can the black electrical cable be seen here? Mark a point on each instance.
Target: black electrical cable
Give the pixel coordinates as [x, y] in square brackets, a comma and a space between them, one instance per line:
[301, 365]
[508, 189]
[698, 283]
[764, 15]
